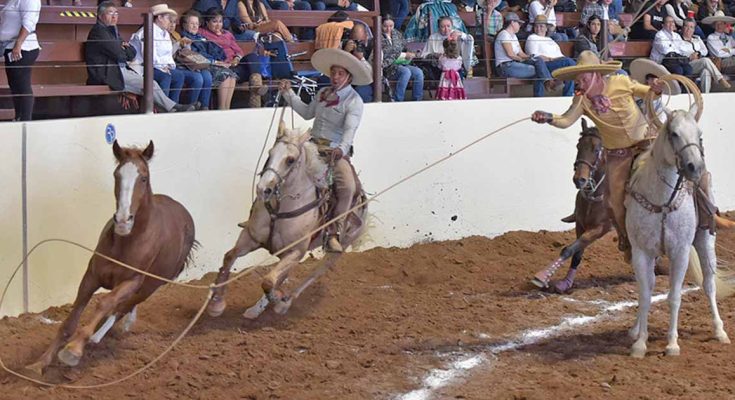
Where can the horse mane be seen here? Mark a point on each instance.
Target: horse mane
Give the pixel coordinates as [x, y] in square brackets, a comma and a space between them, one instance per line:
[316, 168]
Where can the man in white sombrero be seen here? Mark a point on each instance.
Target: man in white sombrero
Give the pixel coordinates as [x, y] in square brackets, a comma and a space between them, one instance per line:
[646, 71]
[720, 43]
[609, 101]
[337, 111]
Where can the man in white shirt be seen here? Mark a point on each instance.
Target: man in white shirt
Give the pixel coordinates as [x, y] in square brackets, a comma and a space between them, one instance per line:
[720, 43]
[539, 45]
[435, 44]
[165, 73]
[666, 49]
[545, 8]
[702, 66]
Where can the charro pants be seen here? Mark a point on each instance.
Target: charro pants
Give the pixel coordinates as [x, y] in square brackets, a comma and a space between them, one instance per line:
[345, 187]
[619, 163]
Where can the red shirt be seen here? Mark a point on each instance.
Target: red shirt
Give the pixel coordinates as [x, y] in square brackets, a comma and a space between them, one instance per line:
[226, 41]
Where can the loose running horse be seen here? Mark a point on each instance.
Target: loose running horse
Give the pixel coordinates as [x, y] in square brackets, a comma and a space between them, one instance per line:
[591, 211]
[151, 232]
[662, 219]
[292, 196]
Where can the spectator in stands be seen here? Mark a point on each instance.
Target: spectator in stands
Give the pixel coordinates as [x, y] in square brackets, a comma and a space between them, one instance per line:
[255, 17]
[18, 21]
[299, 5]
[434, 45]
[565, 6]
[539, 45]
[545, 8]
[230, 17]
[165, 72]
[590, 8]
[107, 58]
[397, 63]
[679, 10]
[652, 22]
[450, 84]
[709, 8]
[215, 33]
[665, 50]
[720, 43]
[223, 78]
[331, 34]
[198, 83]
[358, 51]
[358, 35]
[494, 19]
[702, 66]
[346, 5]
[589, 37]
[512, 62]
[400, 9]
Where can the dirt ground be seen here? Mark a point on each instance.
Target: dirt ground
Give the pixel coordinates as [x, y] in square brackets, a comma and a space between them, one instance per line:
[382, 320]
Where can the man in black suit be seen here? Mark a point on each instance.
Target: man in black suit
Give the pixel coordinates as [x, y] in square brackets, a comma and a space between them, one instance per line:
[107, 57]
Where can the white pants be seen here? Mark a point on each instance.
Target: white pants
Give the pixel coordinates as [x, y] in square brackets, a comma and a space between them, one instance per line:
[134, 84]
[706, 69]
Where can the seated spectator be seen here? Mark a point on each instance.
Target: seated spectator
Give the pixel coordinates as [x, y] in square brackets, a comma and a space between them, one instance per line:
[215, 33]
[679, 10]
[230, 17]
[565, 6]
[107, 58]
[359, 35]
[665, 50]
[197, 84]
[397, 63]
[605, 11]
[358, 51]
[450, 84]
[709, 8]
[512, 62]
[539, 45]
[299, 5]
[494, 19]
[545, 8]
[169, 78]
[720, 43]
[590, 8]
[255, 17]
[223, 78]
[589, 37]
[652, 22]
[347, 5]
[466, 43]
[330, 34]
[702, 66]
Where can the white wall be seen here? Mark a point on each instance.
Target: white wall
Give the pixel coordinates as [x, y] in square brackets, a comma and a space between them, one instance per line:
[517, 179]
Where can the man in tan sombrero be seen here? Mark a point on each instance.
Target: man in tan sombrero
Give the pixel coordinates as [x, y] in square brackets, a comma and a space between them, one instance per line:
[720, 43]
[337, 111]
[609, 101]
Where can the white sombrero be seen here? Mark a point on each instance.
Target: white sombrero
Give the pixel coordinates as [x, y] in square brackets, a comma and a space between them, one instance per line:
[718, 17]
[587, 62]
[641, 67]
[159, 9]
[323, 60]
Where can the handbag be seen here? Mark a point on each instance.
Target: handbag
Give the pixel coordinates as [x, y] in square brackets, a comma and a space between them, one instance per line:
[191, 59]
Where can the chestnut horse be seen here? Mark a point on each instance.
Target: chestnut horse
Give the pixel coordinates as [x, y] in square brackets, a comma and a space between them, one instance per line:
[291, 201]
[151, 232]
[591, 212]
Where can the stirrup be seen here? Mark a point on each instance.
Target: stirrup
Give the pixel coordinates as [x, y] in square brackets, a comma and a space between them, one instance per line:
[333, 245]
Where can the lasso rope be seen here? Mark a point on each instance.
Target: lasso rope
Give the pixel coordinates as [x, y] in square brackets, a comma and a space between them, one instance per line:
[234, 278]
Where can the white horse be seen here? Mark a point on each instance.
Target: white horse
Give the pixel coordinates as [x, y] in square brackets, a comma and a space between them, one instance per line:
[662, 219]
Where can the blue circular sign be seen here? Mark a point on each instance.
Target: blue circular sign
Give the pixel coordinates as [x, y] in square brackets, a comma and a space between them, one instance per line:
[110, 133]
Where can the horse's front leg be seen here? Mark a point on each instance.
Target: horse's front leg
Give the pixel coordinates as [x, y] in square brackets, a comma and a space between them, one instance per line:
[679, 261]
[244, 245]
[643, 265]
[270, 285]
[705, 245]
[584, 239]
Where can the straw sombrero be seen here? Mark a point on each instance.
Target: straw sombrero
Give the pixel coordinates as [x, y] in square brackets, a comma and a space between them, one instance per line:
[718, 17]
[640, 67]
[541, 19]
[159, 9]
[323, 60]
[587, 62]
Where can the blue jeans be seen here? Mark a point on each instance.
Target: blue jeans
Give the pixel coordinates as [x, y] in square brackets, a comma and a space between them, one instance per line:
[400, 12]
[365, 92]
[247, 36]
[406, 73]
[531, 68]
[318, 5]
[559, 37]
[193, 82]
[297, 5]
[352, 7]
[561, 63]
[170, 83]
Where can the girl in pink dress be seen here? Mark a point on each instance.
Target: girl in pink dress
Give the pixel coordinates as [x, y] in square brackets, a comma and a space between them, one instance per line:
[450, 85]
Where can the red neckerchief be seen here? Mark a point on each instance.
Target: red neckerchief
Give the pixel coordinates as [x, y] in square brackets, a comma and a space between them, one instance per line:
[329, 97]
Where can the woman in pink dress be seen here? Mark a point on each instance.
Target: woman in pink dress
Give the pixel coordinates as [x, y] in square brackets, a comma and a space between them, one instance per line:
[450, 85]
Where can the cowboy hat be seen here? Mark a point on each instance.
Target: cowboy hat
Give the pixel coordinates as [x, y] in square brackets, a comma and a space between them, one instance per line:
[642, 67]
[511, 16]
[541, 19]
[323, 60]
[587, 62]
[159, 9]
[718, 17]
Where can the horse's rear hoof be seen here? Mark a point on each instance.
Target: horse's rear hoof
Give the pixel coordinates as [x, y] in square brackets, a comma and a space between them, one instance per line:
[69, 357]
[216, 308]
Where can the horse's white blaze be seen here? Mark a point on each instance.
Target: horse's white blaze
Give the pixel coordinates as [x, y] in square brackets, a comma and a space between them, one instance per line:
[97, 337]
[270, 179]
[128, 177]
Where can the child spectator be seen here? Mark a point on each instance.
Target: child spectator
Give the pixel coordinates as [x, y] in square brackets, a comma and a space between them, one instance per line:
[450, 85]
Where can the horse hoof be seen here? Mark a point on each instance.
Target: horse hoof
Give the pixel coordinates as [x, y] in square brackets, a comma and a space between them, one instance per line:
[216, 308]
[281, 307]
[723, 338]
[69, 357]
[563, 286]
[638, 351]
[673, 350]
[539, 283]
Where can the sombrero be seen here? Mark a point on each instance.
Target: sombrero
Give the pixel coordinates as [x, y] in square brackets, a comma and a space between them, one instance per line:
[159, 9]
[323, 60]
[587, 62]
[541, 19]
[641, 67]
[718, 17]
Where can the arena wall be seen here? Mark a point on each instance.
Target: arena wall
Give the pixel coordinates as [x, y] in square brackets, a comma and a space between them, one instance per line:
[519, 179]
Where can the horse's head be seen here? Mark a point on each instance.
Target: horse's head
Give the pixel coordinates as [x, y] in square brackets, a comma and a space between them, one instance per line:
[684, 149]
[132, 184]
[589, 156]
[287, 153]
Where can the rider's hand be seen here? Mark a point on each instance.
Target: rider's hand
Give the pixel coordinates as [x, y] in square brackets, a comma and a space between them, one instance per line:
[542, 117]
[657, 86]
[284, 85]
[337, 154]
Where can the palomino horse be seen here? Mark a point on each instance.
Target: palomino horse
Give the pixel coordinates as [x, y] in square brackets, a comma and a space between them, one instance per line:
[151, 232]
[291, 196]
[591, 210]
[662, 219]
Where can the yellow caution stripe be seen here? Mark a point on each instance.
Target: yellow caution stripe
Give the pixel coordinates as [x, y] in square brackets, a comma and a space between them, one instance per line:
[78, 14]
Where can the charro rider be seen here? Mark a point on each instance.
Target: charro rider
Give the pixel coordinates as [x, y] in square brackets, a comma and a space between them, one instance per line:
[337, 111]
[609, 101]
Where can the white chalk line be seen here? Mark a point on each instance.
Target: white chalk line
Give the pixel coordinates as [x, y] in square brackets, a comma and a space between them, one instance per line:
[460, 367]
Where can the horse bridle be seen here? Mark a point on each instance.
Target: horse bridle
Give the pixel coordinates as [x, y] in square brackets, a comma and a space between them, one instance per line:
[281, 178]
[592, 185]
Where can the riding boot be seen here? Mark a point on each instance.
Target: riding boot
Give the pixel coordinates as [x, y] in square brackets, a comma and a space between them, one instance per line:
[333, 240]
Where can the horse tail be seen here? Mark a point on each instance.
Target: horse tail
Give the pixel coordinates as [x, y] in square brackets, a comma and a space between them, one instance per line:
[724, 223]
[694, 271]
